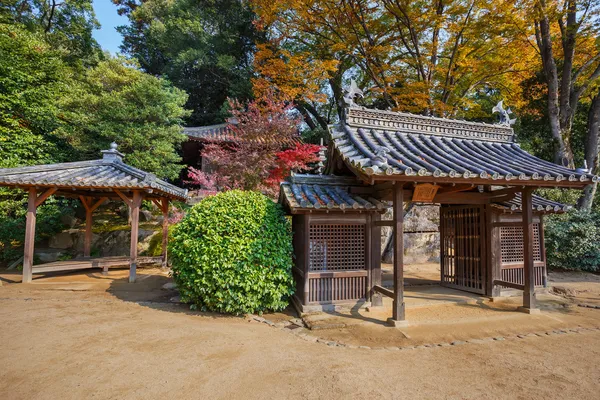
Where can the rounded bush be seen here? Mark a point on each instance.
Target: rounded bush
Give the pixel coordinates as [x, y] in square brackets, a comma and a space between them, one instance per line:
[232, 253]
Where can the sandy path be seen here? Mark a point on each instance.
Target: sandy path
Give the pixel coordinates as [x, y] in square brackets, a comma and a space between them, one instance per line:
[73, 345]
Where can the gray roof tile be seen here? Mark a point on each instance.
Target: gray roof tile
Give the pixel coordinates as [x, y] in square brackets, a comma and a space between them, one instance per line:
[381, 143]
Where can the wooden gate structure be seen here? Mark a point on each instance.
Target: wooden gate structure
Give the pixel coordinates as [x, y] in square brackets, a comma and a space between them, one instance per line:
[462, 248]
[491, 223]
[92, 182]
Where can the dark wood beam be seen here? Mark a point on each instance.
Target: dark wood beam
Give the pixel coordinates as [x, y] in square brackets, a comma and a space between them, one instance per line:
[384, 291]
[398, 311]
[508, 284]
[529, 302]
[42, 197]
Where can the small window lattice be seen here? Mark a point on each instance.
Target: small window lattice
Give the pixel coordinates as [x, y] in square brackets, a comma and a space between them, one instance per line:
[336, 247]
[511, 244]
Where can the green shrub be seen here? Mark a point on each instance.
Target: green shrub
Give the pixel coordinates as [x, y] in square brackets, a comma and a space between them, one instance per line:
[573, 241]
[232, 253]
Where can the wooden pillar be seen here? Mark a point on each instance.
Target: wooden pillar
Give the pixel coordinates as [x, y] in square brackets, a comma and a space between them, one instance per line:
[29, 236]
[398, 312]
[528, 268]
[165, 230]
[376, 299]
[543, 251]
[306, 257]
[135, 224]
[87, 243]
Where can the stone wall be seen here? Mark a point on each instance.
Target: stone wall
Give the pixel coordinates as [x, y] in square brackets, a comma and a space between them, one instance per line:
[420, 247]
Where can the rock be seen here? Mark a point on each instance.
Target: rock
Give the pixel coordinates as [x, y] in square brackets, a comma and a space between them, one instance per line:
[146, 216]
[169, 286]
[62, 240]
[175, 299]
[68, 220]
[49, 255]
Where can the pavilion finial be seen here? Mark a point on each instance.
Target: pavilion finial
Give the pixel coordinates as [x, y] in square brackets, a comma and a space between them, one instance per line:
[112, 153]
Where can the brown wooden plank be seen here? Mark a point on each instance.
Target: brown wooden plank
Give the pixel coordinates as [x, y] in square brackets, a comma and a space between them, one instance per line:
[384, 291]
[508, 284]
[42, 197]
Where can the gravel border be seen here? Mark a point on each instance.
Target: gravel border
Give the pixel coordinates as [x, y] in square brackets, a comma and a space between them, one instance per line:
[294, 329]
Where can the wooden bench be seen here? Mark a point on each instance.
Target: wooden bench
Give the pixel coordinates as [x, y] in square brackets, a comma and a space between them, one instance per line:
[88, 263]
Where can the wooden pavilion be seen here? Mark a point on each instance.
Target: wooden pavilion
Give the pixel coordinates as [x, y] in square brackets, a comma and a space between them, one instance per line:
[93, 182]
[481, 178]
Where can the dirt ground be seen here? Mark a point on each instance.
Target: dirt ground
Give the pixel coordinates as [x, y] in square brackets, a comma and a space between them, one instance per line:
[84, 335]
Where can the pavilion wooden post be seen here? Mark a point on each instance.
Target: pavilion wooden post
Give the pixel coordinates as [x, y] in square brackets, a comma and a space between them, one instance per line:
[165, 230]
[135, 225]
[29, 236]
[398, 311]
[529, 303]
[89, 210]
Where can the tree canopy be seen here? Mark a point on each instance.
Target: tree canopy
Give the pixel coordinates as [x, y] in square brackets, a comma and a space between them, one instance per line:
[203, 47]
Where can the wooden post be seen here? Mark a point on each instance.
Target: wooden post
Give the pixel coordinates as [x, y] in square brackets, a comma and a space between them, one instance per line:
[306, 266]
[398, 312]
[29, 236]
[87, 243]
[376, 299]
[543, 251]
[135, 222]
[529, 304]
[89, 210]
[165, 230]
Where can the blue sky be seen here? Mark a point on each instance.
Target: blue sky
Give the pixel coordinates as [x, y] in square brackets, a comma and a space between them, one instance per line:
[107, 35]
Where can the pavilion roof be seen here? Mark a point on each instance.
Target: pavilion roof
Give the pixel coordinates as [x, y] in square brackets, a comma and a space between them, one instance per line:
[326, 193]
[99, 176]
[383, 145]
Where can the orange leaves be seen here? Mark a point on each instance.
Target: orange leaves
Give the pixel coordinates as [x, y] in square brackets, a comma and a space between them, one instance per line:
[291, 75]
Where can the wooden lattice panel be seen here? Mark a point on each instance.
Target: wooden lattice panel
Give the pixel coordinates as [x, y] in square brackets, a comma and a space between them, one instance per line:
[336, 247]
[325, 290]
[511, 244]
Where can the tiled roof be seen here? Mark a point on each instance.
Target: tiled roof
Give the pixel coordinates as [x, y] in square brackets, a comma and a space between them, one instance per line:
[107, 173]
[540, 204]
[325, 193]
[209, 132]
[223, 133]
[382, 144]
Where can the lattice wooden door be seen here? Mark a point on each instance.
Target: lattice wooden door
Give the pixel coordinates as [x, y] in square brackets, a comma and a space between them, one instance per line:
[462, 245]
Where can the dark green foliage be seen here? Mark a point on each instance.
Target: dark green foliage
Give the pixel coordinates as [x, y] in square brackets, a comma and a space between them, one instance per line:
[12, 223]
[573, 241]
[232, 253]
[202, 47]
[64, 24]
[32, 77]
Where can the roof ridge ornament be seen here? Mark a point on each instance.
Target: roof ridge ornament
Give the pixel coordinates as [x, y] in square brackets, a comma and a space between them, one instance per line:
[351, 93]
[112, 154]
[504, 114]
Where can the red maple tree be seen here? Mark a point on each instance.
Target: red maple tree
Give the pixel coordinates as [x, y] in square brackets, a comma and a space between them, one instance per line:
[263, 147]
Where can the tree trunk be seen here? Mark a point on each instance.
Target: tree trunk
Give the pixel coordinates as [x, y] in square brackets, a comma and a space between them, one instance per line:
[591, 153]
